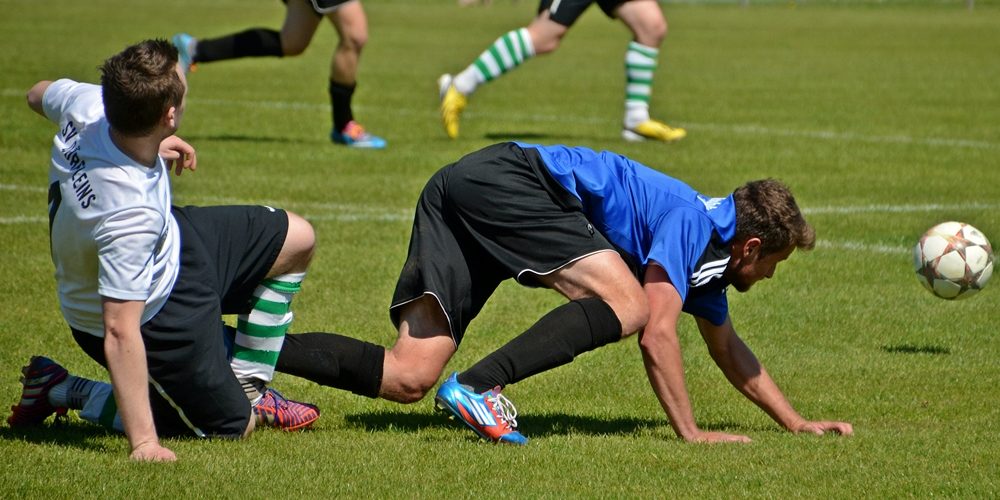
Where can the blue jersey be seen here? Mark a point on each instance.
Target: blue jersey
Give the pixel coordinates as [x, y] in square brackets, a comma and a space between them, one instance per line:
[652, 217]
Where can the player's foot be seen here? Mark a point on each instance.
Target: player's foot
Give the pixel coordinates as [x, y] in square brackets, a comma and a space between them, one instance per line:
[655, 130]
[491, 415]
[39, 377]
[355, 136]
[452, 105]
[185, 51]
[273, 410]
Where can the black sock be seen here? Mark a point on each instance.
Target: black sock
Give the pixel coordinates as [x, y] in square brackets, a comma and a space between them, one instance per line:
[340, 104]
[333, 360]
[254, 42]
[562, 334]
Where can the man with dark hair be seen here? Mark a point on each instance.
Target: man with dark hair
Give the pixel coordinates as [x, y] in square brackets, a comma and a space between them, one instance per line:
[143, 285]
[629, 247]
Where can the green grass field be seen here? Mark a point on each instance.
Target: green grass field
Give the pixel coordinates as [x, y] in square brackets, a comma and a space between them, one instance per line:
[884, 118]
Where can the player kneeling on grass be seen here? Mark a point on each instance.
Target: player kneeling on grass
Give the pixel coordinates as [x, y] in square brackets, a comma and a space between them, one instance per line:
[629, 247]
[143, 285]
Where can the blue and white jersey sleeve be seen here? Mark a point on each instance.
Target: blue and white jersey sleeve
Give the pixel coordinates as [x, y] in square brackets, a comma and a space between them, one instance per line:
[679, 238]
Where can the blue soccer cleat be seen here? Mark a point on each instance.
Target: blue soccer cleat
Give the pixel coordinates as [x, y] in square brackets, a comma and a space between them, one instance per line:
[355, 136]
[491, 415]
[185, 50]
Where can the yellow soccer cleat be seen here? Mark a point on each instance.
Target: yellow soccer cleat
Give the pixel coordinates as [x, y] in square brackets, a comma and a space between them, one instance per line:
[652, 129]
[452, 105]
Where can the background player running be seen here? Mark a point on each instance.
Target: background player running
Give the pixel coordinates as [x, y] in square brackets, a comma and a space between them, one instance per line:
[302, 17]
[544, 35]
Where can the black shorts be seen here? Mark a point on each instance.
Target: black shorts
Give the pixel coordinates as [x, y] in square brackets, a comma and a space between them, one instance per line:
[566, 12]
[493, 215]
[324, 7]
[225, 253]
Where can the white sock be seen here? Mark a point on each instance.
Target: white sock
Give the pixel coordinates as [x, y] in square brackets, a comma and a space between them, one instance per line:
[71, 393]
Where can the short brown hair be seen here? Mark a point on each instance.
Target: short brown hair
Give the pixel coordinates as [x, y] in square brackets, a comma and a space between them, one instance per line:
[766, 209]
[139, 84]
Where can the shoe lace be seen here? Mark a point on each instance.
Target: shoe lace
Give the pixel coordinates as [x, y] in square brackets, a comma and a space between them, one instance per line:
[279, 401]
[504, 407]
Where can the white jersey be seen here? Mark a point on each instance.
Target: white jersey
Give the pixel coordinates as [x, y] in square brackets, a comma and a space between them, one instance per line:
[112, 232]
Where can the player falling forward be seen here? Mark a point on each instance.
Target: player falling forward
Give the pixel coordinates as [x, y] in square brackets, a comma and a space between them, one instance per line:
[543, 35]
[629, 247]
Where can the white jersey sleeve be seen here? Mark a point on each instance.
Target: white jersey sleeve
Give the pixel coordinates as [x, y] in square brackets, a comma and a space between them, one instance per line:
[64, 96]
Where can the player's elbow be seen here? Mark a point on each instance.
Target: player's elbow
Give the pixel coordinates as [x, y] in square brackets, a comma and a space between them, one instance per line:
[34, 96]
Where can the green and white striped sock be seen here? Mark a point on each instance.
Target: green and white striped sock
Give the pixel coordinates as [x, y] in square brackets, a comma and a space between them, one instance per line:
[507, 52]
[260, 334]
[640, 66]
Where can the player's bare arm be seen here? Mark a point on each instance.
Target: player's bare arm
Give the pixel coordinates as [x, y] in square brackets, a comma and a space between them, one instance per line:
[126, 357]
[35, 96]
[745, 372]
[661, 355]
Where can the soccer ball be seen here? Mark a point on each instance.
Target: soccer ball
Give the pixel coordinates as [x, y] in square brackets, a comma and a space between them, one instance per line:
[953, 260]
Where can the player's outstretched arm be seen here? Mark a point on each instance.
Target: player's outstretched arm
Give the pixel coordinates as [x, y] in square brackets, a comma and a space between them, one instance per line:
[661, 355]
[741, 367]
[126, 357]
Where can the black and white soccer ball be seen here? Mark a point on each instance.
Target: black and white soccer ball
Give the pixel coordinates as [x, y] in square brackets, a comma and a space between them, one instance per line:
[953, 260]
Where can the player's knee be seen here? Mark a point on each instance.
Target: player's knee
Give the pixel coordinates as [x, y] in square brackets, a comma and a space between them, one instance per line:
[546, 43]
[290, 47]
[300, 241]
[412, 387]
[632, 310]
[651, 35]
[354, 41]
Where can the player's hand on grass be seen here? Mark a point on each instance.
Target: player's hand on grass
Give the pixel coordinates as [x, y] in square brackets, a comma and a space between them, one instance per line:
[178, 155]
[718, 437]
[152, 452]
[822, 427]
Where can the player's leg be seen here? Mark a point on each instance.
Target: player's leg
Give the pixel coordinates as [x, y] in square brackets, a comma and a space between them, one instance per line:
[435, 270]
[506, 53]
[256, 258]
[351, 23]
[423, 347]
[649, 27]
[49, 388]
[296, 33]
[260, 331]
[606, 302]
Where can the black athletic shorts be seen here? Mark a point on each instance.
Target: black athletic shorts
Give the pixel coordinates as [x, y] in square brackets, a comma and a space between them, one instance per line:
[566, 12]
[225, 253]
[493, 215]
[323, 7]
